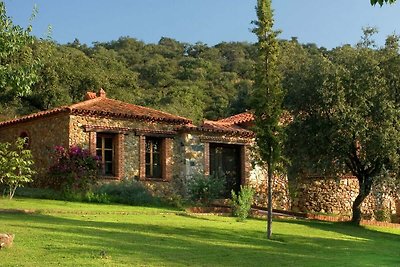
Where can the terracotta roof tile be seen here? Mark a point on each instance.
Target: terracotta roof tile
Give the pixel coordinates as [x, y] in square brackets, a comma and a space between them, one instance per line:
[40, 114]
[114, 108]
[102, 106]
[230, 125]
[238, 118]
[225, 127]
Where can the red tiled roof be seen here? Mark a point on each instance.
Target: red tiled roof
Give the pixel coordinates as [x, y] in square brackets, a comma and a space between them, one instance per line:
[238, 118]
[35, 115]
[224, 127]
[228, 125]
[102, 106]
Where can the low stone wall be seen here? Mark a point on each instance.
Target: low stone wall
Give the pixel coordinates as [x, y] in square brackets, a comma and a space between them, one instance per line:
[336, 195]
[280, 196]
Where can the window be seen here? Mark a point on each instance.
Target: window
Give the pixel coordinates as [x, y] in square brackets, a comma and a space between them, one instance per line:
[225, 162]
[153, 157]
[105, 151]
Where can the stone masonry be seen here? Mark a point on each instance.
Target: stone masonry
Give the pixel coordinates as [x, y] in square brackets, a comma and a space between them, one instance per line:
[336, 196]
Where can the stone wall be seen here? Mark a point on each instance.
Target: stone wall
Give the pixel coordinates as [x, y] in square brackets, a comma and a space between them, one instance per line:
[44, 134]
[192, 155]
[280, 192]
[336, 195]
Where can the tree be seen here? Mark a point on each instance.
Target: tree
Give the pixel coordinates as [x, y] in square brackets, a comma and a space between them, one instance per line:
[15, 166]
[17, 65]
[381, 2]
[346, 120]
[267, 97]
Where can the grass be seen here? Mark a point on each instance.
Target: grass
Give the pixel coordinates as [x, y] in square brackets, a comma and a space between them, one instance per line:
[75, 234]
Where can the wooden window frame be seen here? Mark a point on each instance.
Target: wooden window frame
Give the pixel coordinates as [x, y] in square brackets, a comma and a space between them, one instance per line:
[165, 157]
[151, 156]
[103, 149]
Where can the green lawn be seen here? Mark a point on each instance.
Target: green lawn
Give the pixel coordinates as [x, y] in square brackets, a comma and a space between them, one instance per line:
[74, 234]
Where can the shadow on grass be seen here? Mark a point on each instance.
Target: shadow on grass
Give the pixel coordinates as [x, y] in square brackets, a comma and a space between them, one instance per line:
[190, 240]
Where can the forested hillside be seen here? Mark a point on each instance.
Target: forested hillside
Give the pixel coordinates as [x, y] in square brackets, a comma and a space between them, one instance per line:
[192, 80]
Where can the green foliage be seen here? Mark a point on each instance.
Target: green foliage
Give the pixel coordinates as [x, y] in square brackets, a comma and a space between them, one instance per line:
[346, 116]
[267, 97]
[48, 193]
[87, 196]
[267, 94]
[18, 66]
[381, 2]
[42, 193]
[15, 165]
[241, 203]
[205, 188]
[129, 192]
[382, 215]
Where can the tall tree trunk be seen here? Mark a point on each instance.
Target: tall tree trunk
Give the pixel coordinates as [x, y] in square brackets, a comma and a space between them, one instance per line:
[364, 185]
[269, 208]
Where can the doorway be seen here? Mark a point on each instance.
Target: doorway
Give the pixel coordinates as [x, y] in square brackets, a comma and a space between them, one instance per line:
[225, 164]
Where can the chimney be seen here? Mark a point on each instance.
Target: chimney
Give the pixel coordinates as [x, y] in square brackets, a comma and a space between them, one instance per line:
[90, 95]
[102, 93]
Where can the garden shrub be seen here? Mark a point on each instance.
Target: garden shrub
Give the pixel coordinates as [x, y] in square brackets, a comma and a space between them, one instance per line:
[241, 203]
[382, 215]
[179, 194]
[86, 196]
[129, 192]
[93, 197]
[75, 169]
[206, 188]
[48, 193]
[43, 193]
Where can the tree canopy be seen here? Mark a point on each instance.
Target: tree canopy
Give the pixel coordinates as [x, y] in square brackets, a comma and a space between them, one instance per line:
[381, 2]
[17, 63]
[267, 97]
[346, 117]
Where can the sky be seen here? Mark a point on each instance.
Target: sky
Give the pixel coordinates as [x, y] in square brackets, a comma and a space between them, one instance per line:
[328, 23]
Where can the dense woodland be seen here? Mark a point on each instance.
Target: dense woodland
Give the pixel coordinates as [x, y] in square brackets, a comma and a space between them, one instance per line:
[192, 80]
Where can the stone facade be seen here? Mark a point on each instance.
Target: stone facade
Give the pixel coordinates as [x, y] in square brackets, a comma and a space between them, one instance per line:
[196, 161]
[192, 153]
[336, 196]
[43, 135]
[82, 127]
[185, 148]
[280, 191]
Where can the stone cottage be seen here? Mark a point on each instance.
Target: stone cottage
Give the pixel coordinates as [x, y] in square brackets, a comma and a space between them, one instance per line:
[158, 148]
[145, 144]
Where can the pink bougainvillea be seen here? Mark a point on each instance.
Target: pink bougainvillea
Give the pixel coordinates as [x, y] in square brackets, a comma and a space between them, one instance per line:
[74, 169]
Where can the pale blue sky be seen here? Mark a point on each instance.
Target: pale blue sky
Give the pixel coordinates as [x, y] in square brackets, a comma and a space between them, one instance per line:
[328, 23]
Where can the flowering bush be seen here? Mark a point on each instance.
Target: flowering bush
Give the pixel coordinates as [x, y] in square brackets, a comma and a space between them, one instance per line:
[75, 169]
